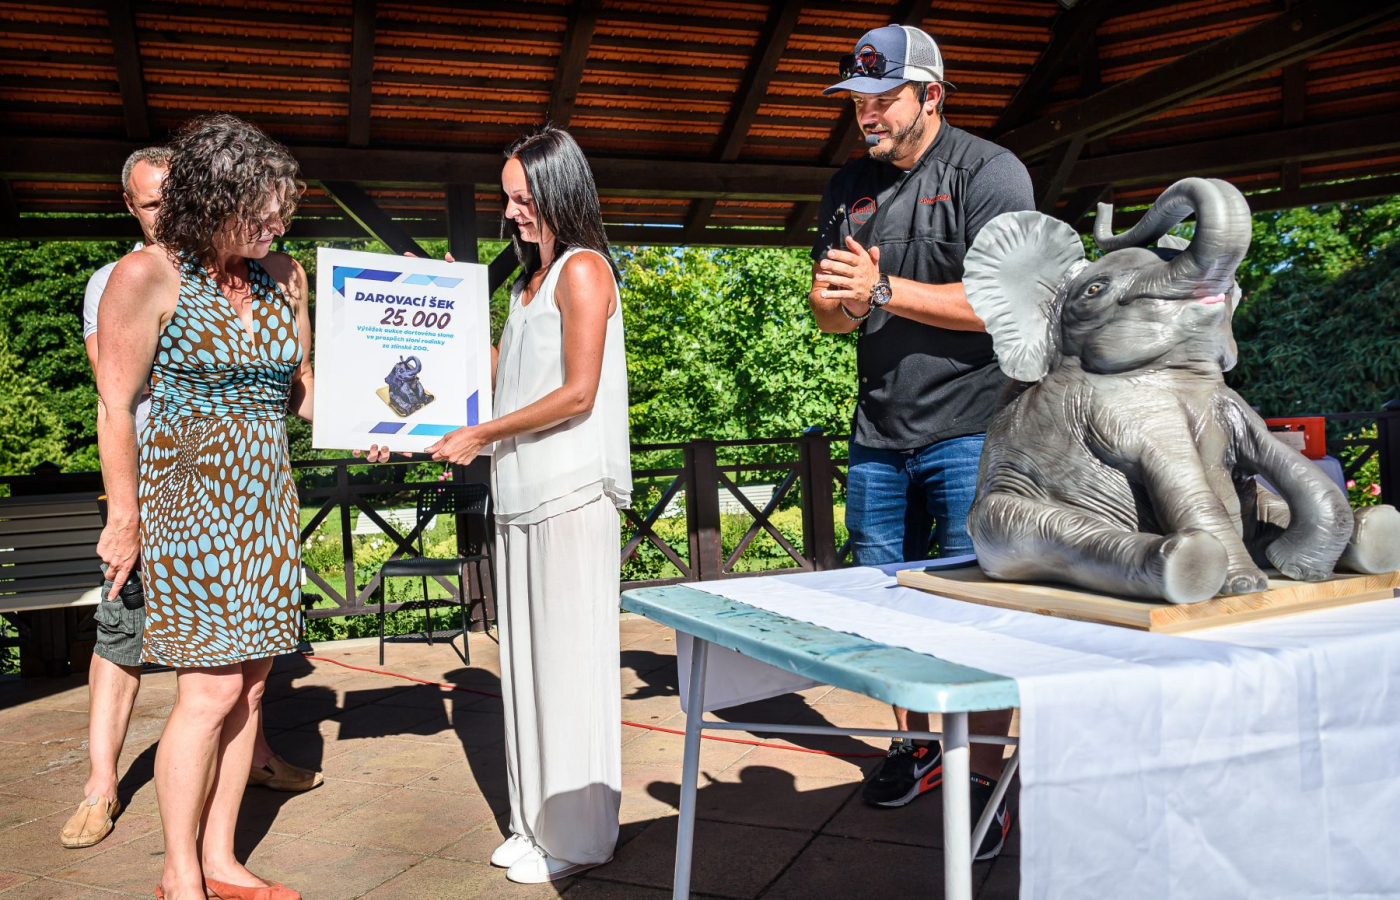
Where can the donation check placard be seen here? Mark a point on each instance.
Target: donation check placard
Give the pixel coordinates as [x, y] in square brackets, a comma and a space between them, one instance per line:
[403, 352]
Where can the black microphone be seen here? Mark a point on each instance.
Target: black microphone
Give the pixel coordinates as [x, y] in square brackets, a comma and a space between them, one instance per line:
[872, 139]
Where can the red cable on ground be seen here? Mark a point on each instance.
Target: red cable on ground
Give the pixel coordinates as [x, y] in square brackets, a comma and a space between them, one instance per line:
[707, 737]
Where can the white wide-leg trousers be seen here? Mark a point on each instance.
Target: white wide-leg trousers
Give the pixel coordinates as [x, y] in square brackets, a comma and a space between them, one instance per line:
[557, 611]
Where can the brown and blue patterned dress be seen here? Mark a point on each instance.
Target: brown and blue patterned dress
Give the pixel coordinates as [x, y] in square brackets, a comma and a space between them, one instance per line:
[220, 548]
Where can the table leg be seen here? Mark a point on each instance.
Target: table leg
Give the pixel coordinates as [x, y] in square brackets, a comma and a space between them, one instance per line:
[690, 768]
[957, 813]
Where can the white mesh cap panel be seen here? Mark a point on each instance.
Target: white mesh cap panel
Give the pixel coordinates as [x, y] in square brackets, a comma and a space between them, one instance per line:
[923, 61]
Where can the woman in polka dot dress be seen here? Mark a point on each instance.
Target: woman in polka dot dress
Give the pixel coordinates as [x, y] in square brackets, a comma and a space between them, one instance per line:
[220, 326]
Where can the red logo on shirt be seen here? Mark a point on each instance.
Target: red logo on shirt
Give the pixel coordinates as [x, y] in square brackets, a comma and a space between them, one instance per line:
[862, 210]
[935, 199]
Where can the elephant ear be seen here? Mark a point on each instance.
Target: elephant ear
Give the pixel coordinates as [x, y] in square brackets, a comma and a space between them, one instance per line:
[1013, 276]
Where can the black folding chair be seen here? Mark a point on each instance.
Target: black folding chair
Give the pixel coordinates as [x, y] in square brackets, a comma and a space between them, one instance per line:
[471, 504]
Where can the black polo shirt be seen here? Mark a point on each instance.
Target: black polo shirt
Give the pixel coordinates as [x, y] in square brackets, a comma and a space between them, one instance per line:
[920, 384]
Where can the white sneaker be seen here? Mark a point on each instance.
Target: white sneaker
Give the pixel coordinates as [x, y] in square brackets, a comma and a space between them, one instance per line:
[516, 847]
[538, 867]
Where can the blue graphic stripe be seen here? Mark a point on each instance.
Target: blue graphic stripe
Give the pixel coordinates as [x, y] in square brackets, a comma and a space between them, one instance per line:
[340, 273]
[434, 430]
[471, 409]
[387, 428]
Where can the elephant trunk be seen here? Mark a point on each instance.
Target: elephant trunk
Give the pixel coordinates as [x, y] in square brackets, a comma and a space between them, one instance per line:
[1207, 266]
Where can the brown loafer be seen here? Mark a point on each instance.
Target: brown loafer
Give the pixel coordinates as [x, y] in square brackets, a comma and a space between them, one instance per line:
[280, 775]
[93, 821]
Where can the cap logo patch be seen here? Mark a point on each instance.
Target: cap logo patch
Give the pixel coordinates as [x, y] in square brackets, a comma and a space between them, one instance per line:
[866, 56]
[862, 210]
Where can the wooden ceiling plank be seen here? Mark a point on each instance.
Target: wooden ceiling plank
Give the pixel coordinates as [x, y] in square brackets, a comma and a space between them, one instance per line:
[583, 19]
[128, 61]
[765, 61]
[698, 218]
[1072, 32]
[361, 71]
[1311, 28]
[360, 207]
[1081, 203]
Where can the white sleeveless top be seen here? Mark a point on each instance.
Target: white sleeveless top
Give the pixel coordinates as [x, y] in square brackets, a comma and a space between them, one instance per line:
[535, 476]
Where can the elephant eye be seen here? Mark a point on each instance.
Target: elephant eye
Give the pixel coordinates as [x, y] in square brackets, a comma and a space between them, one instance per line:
[1094, 288]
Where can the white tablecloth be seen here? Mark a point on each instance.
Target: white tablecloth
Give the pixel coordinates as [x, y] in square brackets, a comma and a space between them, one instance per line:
[1251, 761]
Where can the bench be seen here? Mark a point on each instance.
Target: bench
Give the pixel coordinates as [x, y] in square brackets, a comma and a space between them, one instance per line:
[48, 552]
[50, 580]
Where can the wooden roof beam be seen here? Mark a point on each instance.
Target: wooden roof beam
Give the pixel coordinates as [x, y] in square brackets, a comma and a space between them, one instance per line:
[122, 24]
[361, 207]
[361, 71]
[95, 228]
[1050, 181]
[578, 35]
[1311, 28]
[1221, 156]
[97, 160]
[502, 268]
[1315, 195]
[1072, 32]
[776, 31]
[461, 222]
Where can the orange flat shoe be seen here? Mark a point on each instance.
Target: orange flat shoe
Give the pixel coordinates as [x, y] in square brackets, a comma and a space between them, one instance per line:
[274, 891]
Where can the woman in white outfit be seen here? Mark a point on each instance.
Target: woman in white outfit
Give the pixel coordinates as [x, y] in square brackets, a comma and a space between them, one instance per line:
[560, 470]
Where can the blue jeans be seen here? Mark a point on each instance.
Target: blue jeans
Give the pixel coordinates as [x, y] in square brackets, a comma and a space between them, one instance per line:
[910, 505]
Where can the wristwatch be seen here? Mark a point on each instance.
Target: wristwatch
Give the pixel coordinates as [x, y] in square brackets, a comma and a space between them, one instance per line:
[880, 292]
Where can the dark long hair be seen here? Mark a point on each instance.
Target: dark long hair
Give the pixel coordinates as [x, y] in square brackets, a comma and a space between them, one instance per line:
[566, 199]
[222, 169]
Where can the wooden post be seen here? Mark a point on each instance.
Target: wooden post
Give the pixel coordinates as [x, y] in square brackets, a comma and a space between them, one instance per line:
[818, 518]
[1388, 451]
[702, 510]
[461, 222]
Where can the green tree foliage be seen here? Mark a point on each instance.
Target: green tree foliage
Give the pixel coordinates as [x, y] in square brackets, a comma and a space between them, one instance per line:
[720, 344]
[41, 305]
[31, 432]
[1319, 325]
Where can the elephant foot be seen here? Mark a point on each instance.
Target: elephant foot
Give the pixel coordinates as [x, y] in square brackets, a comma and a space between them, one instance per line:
[1297, 563]
[1375, 542]
[1193, 565]
[1245, 580]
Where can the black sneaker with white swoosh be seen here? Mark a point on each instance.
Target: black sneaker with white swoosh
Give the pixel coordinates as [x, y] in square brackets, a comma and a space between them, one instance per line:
[981, 792]
[908, 770]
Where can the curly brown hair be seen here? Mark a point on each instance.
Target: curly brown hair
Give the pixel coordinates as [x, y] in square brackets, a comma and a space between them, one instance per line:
[222, 172]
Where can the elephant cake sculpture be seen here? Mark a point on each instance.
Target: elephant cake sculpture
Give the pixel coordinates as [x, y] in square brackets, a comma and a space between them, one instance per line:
[1123, 463]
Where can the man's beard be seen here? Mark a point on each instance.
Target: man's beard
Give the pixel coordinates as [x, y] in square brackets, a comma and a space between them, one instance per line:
[906, 142]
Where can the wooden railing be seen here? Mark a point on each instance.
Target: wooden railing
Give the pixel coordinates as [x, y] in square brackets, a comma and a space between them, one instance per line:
[692, 479]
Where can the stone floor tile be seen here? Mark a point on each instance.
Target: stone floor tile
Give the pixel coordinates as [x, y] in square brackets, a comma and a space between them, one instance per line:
[478, 844]
[391, 761]
[594, 888]
[919, 824]
[135, 866]
[815, 765]
[326, 871]
[305, 707]
[24, 761]
[662, 749]
[452, 879]
[47, 889]
[476, 726]
[651, 792]
[483, 771]
[1003, 881]
[34, 848]
[410, 820]
[296, 814]
[11, 879]
[30, 725]
[860, 870]
[763, 795]
[730, 860]
[16, 811]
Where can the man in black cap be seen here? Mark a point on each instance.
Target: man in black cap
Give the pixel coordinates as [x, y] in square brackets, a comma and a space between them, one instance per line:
[893, 229]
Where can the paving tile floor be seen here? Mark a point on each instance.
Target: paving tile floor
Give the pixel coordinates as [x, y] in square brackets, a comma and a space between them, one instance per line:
[415, 796]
